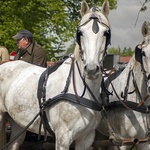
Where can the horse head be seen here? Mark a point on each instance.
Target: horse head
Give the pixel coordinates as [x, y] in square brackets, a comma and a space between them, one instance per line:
[93, 37]
[142, 52]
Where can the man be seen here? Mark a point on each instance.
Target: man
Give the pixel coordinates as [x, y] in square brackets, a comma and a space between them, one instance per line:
[4, 55]
[28, 50]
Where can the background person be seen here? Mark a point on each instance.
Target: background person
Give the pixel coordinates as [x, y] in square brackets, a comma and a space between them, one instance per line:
[4, 55]
[28, 49]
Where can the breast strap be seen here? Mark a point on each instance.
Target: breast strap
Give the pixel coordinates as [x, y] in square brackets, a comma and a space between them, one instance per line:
[43, 103]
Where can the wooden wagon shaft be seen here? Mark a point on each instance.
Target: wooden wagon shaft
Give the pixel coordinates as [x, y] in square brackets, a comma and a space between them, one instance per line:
[127, 141]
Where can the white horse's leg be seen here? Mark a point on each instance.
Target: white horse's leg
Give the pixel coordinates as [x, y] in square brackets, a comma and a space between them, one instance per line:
[85, 142]
[2, 130]
[15, 129]
[62, 142]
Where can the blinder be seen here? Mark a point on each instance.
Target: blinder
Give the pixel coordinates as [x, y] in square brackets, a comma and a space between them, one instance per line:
[78, 35]
[138, 54]
[108, 38]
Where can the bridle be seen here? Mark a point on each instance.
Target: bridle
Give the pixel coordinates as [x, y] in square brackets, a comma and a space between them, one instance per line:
[95, 28]
[139, 57]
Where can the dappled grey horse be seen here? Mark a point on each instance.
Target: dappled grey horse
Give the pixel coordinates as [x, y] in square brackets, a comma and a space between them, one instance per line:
[128, 111]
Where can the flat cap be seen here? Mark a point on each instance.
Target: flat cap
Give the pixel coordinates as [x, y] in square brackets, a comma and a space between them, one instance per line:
[23, 33]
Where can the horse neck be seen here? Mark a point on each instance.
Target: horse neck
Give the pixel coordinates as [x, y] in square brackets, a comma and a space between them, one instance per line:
[138, 76]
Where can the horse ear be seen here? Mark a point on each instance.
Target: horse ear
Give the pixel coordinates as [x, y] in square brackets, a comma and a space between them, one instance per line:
[84, 8]
[145, 28]
[105, 8]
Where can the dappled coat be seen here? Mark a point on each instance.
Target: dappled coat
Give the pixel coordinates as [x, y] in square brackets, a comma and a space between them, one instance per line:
[33, 54]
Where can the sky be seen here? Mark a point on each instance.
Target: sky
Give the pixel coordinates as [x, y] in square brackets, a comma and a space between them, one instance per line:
[122, 20]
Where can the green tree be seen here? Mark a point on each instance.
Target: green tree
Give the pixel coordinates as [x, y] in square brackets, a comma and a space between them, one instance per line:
[51, 22]
[113, 51]
[124, 52]
[142, 9]
[127, 52]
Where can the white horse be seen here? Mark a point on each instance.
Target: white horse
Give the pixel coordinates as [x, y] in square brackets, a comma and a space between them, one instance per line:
[128, 111]
[77, 79]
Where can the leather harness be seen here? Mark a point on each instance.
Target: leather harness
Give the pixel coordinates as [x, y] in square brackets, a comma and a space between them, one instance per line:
[64, 96]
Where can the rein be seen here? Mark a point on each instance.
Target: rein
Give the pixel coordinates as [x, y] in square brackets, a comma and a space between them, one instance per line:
[120, 100]
[73, 77]
[124, 101]
[21, 132]
[87, 86]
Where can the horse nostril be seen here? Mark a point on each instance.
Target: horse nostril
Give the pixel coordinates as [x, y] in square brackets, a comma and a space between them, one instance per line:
[97, 69]
[85, 68]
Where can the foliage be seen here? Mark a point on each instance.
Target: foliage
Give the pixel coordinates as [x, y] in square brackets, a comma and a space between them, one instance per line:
[124, 52]
[51, 22]
[127, 52]
[113, 51]
[142, 9]
[70, 49]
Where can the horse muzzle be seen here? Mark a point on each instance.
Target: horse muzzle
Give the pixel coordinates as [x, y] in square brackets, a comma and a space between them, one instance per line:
[91, 71]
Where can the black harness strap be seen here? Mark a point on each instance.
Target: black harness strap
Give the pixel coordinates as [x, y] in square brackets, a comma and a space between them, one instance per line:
[95, 99]
[47, 72]
[19, 134]
[74, 99]
[68, 78]
[136, 87]
[126, 87]
[64, 96]
[41, 97]
[132, 105]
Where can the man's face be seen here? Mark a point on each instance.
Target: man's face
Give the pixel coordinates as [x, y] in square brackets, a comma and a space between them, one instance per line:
[22, 43]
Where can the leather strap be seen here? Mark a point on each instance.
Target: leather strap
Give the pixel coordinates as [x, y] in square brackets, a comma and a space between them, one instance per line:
[41, 97]
[131, 105]
[74, 99]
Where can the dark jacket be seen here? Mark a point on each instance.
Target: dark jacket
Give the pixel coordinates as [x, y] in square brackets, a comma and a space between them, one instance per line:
[33, 54]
